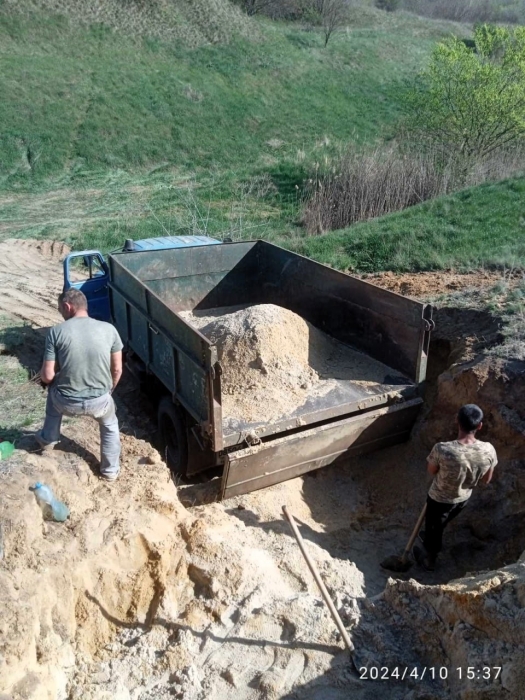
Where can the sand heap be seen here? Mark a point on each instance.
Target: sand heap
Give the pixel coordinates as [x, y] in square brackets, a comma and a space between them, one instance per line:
[273, 360]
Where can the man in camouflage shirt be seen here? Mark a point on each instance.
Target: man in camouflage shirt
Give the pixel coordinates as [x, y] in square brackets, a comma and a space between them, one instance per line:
[457, 466]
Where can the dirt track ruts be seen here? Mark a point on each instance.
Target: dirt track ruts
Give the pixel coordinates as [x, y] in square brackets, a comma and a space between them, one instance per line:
[31, 279]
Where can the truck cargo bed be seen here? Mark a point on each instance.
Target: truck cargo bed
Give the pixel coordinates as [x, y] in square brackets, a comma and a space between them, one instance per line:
[297, 453]
[347, 380]
[151, 289]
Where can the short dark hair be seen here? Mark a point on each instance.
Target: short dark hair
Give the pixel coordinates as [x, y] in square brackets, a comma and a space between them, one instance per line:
[470, 417]
[75, 297]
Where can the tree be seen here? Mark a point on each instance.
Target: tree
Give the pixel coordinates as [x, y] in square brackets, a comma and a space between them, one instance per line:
[330, 14]
[470, 101]
[333, 17]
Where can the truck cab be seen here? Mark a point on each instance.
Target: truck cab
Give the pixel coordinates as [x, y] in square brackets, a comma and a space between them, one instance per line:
[88, 271]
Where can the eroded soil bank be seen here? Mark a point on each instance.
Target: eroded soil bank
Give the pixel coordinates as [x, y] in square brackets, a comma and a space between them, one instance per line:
[148, 593]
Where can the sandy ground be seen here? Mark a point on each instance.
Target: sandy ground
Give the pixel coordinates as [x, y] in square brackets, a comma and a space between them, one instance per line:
[427, 285]
[31, 279]
[147, 592]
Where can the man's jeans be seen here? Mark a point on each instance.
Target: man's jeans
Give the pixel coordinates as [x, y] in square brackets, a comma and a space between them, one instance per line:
[437, 518]
[102, 409]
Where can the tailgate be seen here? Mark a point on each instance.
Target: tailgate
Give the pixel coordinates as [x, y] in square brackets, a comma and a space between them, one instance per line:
[285, 458]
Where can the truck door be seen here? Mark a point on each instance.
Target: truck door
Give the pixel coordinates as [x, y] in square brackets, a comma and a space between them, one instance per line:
[87, 271]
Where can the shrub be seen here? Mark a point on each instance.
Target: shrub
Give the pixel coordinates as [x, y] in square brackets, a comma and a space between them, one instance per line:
[471, 102]
[365, 186]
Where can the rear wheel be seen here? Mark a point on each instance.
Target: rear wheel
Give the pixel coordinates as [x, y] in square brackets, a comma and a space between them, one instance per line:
[174, 440]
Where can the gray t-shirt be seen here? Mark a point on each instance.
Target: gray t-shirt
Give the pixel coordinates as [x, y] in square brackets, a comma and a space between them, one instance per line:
[460, 469]
[82, 347]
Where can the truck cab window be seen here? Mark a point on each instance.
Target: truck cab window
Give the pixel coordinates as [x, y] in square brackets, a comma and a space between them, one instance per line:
[85, 268]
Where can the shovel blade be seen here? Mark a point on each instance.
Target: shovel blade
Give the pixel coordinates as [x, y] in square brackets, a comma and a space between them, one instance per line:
[398, 564]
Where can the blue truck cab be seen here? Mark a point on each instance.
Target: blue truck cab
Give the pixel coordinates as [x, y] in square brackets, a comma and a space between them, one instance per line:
[87, 270]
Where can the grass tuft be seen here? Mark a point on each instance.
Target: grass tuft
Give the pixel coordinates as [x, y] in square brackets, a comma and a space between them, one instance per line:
[22, 403]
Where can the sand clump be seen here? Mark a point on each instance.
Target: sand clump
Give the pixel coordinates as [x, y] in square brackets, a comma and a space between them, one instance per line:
[273, 360]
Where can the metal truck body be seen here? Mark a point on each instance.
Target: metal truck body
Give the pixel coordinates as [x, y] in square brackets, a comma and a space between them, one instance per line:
[149, 286]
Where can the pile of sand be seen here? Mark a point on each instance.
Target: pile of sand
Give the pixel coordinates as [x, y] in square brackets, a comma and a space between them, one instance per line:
[273, 360]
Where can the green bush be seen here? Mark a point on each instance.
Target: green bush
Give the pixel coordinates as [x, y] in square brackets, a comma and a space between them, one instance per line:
[471, 102]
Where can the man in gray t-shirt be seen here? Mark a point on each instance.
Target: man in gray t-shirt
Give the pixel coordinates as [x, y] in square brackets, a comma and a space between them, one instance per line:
[83, 364]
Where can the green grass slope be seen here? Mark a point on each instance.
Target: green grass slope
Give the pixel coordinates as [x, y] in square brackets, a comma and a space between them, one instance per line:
[77, 98]
[105, 136]
[480, 227]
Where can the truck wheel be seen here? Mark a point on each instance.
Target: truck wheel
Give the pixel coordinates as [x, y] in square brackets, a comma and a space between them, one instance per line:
[173, 437]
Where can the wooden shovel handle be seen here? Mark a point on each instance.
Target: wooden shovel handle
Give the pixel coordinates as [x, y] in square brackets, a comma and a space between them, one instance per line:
[416, 529]
[318, 580]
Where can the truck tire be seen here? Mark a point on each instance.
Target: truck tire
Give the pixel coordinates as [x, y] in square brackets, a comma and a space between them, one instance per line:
[174, 440]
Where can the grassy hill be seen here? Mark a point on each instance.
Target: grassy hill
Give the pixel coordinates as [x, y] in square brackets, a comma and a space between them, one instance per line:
[111, 131]
[77, 97]
[155, 136]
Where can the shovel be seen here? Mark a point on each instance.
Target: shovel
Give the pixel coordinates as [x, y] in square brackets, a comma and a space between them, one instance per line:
[403, 563]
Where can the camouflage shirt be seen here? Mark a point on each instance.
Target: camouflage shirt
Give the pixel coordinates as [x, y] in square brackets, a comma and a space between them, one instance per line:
[460, 469]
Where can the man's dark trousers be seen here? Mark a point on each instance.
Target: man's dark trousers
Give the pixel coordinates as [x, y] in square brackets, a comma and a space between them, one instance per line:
[437, 518]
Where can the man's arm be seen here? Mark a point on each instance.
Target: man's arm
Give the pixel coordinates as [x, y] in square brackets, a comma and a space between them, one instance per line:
[47, 373]
[50, 361]
[487, 477]
[116, 368]
[432, 468]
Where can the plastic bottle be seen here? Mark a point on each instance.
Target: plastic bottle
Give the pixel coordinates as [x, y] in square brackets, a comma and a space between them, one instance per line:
[6, 449]
[51, 508]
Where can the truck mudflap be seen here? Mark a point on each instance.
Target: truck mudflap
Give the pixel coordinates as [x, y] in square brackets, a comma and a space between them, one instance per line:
[285, 458]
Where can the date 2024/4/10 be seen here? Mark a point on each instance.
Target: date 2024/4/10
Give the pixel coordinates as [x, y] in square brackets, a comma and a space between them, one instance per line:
[399, 673]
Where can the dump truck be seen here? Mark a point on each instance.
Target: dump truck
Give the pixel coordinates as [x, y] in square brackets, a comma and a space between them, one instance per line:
[143, 289]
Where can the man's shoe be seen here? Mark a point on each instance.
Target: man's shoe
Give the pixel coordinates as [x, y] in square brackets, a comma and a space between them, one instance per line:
[425, 561]
[44, 445]
[109, 477]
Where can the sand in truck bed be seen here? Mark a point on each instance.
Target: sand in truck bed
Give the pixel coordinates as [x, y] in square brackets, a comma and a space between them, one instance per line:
[274, 361]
